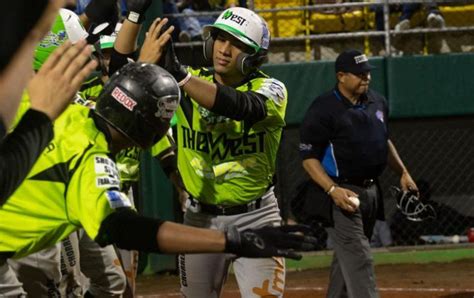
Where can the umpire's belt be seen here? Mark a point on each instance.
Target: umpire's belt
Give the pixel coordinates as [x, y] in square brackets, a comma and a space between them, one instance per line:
[225, 210]
[361, 182]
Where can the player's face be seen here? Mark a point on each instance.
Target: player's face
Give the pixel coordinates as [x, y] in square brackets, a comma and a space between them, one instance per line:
[225, 52]
[356, 83]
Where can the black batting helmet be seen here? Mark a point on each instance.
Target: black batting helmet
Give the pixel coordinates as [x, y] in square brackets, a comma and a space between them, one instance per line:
[139, 101]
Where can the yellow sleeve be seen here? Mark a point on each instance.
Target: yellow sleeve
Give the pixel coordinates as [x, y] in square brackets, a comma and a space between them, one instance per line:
[93, 193]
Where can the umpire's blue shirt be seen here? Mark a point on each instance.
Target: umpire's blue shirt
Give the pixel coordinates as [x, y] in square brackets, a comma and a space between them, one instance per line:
[349, 140]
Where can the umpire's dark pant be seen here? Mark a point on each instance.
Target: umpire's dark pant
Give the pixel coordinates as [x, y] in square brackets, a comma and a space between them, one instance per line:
[352, 271]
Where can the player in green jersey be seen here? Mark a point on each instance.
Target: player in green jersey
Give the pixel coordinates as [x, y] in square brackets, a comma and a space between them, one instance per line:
[75, 184]
[229, 127]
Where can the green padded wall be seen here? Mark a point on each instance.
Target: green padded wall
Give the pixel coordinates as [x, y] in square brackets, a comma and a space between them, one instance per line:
[428, 86]
[305, 81]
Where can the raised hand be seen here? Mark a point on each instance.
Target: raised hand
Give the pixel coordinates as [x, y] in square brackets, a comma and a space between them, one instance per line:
[53, 87]
[155, 42]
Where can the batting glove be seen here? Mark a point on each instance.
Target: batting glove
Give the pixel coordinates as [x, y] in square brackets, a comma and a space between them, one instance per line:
[101, 11]
[270, 241]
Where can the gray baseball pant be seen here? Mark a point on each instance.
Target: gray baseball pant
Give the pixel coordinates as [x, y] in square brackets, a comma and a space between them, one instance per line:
[203, 275]
[352, 271]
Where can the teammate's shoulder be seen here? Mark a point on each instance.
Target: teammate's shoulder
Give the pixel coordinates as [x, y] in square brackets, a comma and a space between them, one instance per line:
[271, 88]
[201, 72]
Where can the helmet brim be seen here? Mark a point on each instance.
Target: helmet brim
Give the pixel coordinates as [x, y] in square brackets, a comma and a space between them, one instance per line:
[207, 30]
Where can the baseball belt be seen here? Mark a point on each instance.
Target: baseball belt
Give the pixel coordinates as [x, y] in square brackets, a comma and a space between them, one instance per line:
[225, 210]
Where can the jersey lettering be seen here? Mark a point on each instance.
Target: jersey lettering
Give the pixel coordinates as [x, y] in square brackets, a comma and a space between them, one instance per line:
[222, 146]
[106, 172]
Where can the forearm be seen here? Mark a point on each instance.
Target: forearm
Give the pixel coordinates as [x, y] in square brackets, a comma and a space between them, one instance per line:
[394, 160]
[227, 101]
[176, 238]
[14, 78]
[316, 171]
[20, 150]
[126, 42]
[124, 47]
[128, 230]
[201, 91]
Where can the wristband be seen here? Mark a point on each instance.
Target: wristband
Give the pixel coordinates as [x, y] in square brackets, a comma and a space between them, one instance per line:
[185, 80]
[331, 189]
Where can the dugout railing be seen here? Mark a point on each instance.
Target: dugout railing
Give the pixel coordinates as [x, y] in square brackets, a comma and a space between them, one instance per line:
[305, 30]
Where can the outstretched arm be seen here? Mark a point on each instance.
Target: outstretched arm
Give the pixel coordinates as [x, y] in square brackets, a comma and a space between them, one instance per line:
[156, 235]
[397, 165]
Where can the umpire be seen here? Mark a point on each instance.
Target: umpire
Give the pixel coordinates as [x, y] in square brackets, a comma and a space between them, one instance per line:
[345, 146]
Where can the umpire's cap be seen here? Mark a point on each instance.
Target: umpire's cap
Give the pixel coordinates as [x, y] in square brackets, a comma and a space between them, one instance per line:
[353, 61]
[139, 101]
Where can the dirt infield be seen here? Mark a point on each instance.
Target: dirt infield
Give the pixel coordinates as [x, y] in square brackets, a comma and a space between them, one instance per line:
[447, 280]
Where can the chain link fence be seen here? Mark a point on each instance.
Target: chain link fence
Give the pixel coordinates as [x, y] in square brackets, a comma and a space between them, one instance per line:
[438, 153]
[436, 150]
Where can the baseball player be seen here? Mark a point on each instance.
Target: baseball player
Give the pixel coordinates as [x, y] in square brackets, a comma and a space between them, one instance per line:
[229, 127]
[80, 254]
[75, 184]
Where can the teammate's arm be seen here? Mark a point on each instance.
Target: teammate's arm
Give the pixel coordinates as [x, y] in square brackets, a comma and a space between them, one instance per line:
[125, 45]
[20, 150]
[51, 90]
[227, 101]
[121, 228]
[218, 98]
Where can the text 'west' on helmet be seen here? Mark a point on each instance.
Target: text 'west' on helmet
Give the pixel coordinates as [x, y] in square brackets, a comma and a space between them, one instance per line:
[139, 101]
[243, 24]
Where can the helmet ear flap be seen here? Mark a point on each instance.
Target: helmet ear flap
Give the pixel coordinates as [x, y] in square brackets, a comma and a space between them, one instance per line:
[243, 63]
[246, 63]
[208, 47]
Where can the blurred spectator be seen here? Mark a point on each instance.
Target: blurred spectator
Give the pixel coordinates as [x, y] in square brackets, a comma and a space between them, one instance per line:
[434, 18]
[382, 236]
[191, 26]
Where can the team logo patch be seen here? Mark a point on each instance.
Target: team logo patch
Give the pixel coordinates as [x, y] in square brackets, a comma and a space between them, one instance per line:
[166, 108]
[229, 15]
[53, 39]
[117, 199]
[274, 90]
[305, 147]
[265, 36]
[379, 115]
[360, 59]
[122, 98]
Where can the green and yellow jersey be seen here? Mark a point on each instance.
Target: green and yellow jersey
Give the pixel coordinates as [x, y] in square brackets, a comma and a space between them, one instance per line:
[229, 162]
[73, 184]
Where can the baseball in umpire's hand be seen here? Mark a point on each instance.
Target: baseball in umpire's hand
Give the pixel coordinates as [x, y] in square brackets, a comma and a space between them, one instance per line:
[265, 242]
[355, 201]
